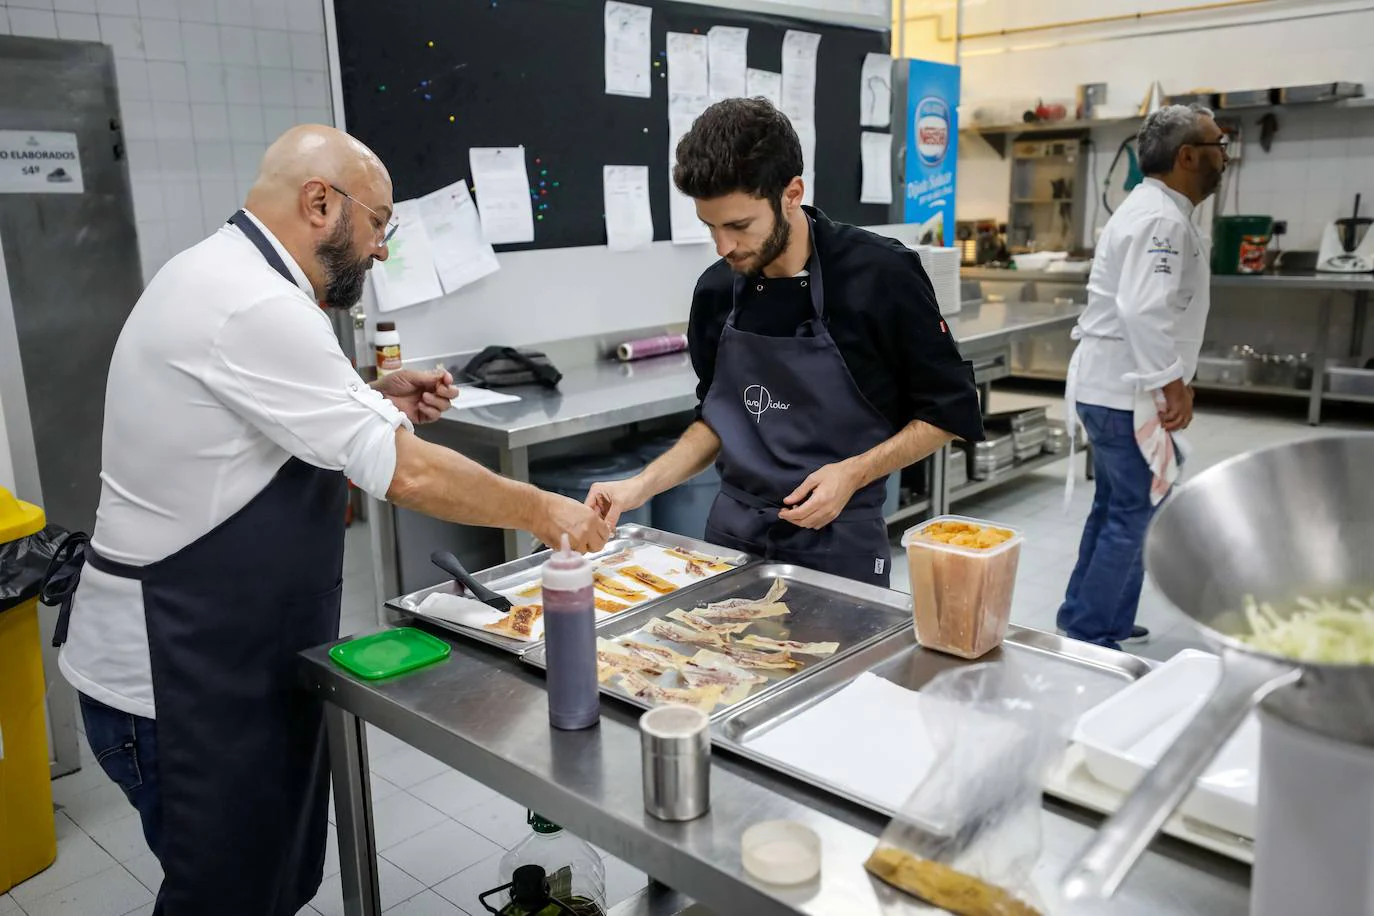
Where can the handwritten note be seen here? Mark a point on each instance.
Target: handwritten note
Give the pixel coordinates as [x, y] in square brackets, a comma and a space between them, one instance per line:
[503, 193]
[806, 133]
[628, 50]
[876, 154]
[407, 275]
[875, 91]
[764, 84]
[799, 53]
[686, 228]
[689, 83]
[629, 221]
[728, 51]
[461, 254]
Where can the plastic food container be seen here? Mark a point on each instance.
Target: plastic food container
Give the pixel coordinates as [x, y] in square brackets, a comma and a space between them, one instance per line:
[961, 594]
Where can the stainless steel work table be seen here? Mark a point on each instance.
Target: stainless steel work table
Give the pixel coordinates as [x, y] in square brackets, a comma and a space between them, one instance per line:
[1325, 287]
[485, 714]
[598, 395]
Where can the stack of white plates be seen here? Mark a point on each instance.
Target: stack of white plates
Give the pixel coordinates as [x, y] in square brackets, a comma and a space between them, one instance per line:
[942, 266]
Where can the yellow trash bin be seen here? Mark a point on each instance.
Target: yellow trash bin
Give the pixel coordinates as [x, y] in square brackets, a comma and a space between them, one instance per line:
[28, 839]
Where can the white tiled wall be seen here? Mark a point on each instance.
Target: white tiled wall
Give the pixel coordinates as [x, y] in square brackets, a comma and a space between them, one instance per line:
[204, 85]
[1320, 158]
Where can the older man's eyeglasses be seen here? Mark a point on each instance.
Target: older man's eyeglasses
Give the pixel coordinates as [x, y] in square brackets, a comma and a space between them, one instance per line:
[388, 228]
[1221, 144]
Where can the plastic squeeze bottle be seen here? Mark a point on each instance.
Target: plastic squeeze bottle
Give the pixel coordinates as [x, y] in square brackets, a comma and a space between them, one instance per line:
[570, 640]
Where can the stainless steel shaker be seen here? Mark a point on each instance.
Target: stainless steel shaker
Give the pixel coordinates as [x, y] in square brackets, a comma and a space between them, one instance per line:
[675, 743]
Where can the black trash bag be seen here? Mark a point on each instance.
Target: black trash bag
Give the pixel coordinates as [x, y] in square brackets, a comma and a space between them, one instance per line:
[45, 564]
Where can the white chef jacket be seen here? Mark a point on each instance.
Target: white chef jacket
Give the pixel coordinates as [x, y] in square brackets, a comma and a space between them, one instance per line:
[1148, 298]
[222, 373]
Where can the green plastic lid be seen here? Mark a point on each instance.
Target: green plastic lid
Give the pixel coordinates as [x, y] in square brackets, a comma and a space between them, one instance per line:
[389, 652]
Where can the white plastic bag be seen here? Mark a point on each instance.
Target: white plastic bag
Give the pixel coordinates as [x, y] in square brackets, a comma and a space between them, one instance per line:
[969, 837]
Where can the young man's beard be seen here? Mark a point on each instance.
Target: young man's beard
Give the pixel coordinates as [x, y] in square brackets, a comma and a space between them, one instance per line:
[343, 272]
[773, 246]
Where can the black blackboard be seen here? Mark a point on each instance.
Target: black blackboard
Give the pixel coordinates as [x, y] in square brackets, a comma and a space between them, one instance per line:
[424, 80]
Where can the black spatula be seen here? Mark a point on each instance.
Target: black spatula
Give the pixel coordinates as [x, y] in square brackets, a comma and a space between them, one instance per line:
[449, 564]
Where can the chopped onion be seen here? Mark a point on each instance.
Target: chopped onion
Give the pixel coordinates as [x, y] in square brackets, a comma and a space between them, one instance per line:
[1324, 632]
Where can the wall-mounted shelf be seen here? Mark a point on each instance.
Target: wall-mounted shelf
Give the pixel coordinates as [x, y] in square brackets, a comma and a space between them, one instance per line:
[998, 136]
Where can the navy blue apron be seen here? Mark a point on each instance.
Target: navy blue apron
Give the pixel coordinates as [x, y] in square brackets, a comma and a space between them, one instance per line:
[242, 761]
[784, 407]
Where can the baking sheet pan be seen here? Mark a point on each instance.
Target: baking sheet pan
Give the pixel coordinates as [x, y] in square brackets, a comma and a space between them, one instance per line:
[824, 608]
[900, 659]
[510, 578]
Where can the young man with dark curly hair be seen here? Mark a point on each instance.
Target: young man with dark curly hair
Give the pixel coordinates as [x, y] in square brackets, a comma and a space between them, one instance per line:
[823, 363]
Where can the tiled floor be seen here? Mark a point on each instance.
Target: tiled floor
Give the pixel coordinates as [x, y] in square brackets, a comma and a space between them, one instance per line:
[441, 834]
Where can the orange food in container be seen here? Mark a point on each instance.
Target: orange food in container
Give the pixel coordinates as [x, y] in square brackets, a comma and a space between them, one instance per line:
[963, 571]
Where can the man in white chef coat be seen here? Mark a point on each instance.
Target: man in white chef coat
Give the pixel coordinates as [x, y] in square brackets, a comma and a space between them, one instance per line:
[232, 424]
[1139, 337]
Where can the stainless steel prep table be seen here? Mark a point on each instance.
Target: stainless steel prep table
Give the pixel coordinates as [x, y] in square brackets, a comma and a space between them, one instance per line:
[1325, 287]
[485, 714]
[597, 395]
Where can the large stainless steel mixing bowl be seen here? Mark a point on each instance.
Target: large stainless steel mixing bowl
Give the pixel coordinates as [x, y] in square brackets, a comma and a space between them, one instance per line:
[1279, 523]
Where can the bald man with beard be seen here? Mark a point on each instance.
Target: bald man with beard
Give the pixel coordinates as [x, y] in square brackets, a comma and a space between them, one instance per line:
[232, 423]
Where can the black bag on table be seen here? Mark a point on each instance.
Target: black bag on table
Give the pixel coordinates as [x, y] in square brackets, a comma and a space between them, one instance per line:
[507, 367]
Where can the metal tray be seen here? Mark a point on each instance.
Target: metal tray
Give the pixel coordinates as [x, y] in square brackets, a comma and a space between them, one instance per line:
[899, 658]
[824, 608]
[512, 576]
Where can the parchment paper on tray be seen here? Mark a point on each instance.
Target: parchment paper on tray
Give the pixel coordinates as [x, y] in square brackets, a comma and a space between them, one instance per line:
[468, 612]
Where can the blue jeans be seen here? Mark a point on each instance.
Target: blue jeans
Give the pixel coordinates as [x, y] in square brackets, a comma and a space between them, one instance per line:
[1104, 591]
[125, 746]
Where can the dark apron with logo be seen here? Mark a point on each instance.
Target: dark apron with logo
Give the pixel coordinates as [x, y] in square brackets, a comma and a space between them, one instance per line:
[784, 407]
[242, 762]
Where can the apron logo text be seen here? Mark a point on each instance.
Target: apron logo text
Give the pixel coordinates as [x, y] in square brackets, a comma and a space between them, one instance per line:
[757, 400]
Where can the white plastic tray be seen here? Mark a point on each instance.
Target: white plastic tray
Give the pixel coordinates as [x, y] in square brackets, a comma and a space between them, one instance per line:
[1127, 734]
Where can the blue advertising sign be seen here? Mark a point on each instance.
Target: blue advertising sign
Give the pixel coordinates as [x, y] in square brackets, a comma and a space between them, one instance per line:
[932, 146]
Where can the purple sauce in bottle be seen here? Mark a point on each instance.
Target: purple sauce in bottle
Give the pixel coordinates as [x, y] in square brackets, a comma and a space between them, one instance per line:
[570, 640]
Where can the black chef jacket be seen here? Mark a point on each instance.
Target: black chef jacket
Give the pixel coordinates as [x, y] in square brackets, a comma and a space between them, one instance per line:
[880, 309]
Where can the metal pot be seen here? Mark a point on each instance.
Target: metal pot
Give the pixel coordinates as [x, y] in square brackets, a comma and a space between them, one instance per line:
[1279, 523]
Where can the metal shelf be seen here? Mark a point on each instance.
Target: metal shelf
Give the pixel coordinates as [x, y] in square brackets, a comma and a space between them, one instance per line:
[1344, 398]
[1270, 390]
[974, 487]
[906, 513]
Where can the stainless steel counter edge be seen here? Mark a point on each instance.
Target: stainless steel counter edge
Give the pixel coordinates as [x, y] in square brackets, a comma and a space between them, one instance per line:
[566, 776]
[1353, 283]
[486, 715]
[605, 394]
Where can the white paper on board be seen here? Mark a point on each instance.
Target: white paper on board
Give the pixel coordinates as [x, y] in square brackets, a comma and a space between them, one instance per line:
[629, 220]
[502, 185]
[806, 133]
[407, 275]
[728, 49]
[875, 91]
[686, 228]
[876, 152]
[688, 66]
[461, 254]
[764, 84]
[799, 53]
[629, 50]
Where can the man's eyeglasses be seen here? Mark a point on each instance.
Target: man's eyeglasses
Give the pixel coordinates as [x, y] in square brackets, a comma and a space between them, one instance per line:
[389, 228]
[1221, 144]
